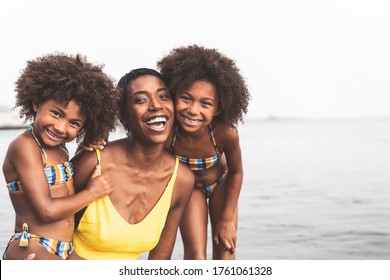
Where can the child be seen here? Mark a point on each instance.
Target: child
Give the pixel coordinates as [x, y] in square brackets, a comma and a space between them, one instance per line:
[66, 97]
[211, 97]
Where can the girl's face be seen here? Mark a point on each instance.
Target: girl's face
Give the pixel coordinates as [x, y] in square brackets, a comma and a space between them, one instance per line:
[150, 111]
[196, 106]
[56, 123]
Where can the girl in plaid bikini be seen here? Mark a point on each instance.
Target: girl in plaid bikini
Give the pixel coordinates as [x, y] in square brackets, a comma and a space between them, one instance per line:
[211, 97]
[66, 97]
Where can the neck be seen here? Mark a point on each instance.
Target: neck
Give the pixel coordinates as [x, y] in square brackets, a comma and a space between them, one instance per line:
[143, 154]
[194, 135]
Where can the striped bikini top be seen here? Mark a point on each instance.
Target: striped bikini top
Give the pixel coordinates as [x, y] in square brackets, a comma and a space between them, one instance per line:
[56, 174]
[198, 163]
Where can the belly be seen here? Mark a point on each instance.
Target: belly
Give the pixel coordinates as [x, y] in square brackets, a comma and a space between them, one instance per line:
[209, 176]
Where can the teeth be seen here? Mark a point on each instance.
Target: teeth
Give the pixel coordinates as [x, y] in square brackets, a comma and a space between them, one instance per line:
[191, 120]
[157, 119]
[52, 134]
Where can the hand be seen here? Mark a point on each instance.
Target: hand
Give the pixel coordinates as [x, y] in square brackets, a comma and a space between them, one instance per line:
[29, 257]
[99, 185]
[93, 146]
[226, 234]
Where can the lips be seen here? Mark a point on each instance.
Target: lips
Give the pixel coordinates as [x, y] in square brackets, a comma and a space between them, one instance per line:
[54, 136]
[190, 121]
[157, 123]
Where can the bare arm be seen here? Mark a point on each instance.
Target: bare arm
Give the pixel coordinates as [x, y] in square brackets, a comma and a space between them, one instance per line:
[27, 162]
[226, 230]
[84, 163]
[182, 192]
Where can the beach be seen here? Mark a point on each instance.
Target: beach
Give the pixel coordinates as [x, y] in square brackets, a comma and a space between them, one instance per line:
[312, 190]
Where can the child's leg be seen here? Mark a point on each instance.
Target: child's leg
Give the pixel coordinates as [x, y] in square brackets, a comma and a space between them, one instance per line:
[216, 204]
[15, 252]
[193, 227]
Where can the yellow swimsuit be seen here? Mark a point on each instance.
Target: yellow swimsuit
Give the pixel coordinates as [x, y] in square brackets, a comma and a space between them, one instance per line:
[103, 234]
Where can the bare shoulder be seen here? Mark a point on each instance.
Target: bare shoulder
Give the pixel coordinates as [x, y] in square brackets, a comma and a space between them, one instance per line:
[21, 143]
[23, 147]
[84, 159]
[185, 182]
[89, 158]
[185, 176]
[116, 146]
[23, 156]
[225, 135]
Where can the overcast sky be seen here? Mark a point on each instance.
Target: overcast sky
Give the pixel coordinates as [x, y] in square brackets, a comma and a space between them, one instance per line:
[313, 59]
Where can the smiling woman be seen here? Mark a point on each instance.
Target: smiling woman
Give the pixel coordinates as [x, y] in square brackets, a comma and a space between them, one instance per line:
[151, 187]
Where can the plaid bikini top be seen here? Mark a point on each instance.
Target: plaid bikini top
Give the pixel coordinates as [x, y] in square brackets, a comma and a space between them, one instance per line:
[198, 163]
[56, 174]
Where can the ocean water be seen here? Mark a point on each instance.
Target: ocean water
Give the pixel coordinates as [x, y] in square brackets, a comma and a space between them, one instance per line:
[312, 190]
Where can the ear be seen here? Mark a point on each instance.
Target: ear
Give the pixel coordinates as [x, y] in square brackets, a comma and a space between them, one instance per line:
[123, 121]
[217, 112]
[35, 106]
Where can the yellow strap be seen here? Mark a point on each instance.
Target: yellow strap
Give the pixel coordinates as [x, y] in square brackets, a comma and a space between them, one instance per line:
[98, 159]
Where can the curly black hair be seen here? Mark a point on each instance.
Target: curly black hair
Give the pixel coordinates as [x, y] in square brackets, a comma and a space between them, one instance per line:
[64, 78]
[123, 87]
[185, 65]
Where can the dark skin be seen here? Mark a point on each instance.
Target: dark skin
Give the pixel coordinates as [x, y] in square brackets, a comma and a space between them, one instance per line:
[140, 167]
[200, 103]
[196, 107]
[48, 211]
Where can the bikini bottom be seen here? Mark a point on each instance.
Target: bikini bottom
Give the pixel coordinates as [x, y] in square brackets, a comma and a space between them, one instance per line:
[60, 248]
[209, 189]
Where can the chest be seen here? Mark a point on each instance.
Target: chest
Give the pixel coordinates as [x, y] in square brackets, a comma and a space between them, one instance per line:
[136, 193]
[199, 148]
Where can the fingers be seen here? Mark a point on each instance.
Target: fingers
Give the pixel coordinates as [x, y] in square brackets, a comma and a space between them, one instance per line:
[29, 257]
[99, 147]
[226, 243]
[90, 147]
[216, 239]
[87, 148]
[97, 172]
[229, 245]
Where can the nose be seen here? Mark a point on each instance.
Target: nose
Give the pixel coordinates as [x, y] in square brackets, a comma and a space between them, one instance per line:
[155, 104]
[194, 109]
[60, 127]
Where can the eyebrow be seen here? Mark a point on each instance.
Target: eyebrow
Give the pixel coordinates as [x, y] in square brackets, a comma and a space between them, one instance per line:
[58, 108]
[62, 112]
[189, 93]
[144, 91]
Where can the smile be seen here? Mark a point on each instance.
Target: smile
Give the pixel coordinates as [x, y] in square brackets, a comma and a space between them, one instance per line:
[52, 135]
[191, 121]
[157, 123]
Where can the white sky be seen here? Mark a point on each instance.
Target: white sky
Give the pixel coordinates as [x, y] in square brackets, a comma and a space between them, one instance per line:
[300, 58]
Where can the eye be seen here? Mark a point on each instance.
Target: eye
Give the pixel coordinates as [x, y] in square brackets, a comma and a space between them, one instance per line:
[185, 98]
[76, 124]
[139, 100]
[165, 96]
[206, 104]
[56, 114]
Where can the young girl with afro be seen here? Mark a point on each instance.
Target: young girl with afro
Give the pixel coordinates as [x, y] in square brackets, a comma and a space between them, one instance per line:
[65, 97]
[211, 98]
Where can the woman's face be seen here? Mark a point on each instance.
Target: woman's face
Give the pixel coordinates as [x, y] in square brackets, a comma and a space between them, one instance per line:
[150, 110]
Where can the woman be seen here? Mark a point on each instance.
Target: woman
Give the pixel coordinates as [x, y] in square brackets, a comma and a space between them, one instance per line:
[151, 187]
